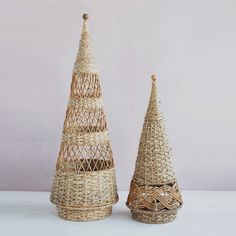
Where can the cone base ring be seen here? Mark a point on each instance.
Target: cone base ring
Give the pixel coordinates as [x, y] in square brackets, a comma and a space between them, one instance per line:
[78, 214]
[150, 217]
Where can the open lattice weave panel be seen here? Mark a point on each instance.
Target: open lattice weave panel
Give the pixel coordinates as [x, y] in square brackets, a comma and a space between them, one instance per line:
[84, 186]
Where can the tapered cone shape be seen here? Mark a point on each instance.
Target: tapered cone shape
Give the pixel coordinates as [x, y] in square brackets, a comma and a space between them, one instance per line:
[154, 196]
[84, 186]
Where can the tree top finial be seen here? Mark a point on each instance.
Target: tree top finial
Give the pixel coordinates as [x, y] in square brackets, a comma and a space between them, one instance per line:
[154, 77]
[85, 16]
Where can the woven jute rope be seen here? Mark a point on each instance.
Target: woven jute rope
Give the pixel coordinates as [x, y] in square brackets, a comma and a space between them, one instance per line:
[154, 196]
[91, 194]
[84, 186]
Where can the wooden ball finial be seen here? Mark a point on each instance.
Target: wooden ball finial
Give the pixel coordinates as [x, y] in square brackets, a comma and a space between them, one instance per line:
[154, 77]
[85, 16]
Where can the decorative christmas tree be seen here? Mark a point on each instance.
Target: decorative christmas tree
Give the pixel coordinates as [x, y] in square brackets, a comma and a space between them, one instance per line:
[154, 195]
[84, 186]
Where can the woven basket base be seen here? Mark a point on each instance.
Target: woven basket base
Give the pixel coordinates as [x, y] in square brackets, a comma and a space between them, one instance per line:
[153, 217]
[78, 214]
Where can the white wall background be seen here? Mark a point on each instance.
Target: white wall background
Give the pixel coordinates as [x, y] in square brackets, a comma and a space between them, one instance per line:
[191, 45]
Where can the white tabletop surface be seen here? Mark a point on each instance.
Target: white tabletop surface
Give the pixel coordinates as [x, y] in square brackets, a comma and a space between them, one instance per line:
[203, 213]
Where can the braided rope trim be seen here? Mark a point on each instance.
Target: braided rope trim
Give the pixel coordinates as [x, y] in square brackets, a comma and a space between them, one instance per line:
[149, 217]
[85, 103]
[154, 198]
[91, 138]
[77, 214]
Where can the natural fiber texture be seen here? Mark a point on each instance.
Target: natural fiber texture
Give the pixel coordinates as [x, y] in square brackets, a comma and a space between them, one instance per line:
[154, 195]
[154, 218]
[81, 192]
[78, 214]
[85, 62]
[84, 186]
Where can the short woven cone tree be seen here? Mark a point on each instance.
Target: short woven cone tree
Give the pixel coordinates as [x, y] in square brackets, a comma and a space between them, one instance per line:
[154, 195]
[84, 186]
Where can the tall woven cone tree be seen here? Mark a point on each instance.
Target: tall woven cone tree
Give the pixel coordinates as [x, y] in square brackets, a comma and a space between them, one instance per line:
[84, 186]
[154, 196]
